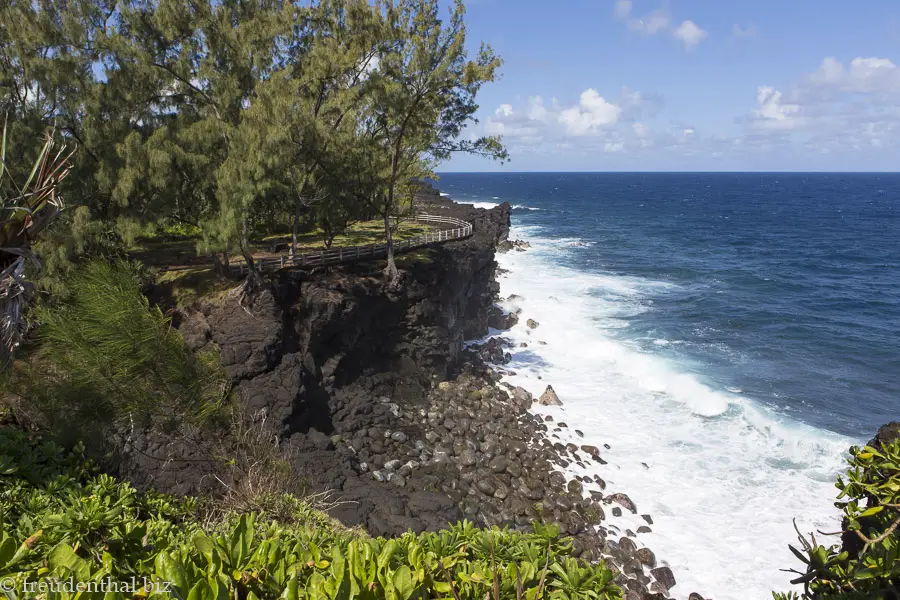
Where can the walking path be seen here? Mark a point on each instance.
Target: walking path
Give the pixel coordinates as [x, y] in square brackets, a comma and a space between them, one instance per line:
[458, 229]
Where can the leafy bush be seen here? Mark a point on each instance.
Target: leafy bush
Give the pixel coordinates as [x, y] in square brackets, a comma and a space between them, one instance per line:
[106, 355]
[26, 208]
[71, 522]
[867, 565]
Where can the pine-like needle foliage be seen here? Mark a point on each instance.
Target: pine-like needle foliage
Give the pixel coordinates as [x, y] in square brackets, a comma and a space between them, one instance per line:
[107, 356]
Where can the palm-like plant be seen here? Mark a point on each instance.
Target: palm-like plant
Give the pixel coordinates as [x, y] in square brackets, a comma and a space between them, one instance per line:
[25, 211]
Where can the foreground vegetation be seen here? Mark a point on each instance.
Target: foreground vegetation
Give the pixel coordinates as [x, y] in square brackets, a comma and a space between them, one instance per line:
[866, 565]
[59, 519]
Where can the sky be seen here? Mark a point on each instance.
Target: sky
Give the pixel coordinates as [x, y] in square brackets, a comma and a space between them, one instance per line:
[690, 85]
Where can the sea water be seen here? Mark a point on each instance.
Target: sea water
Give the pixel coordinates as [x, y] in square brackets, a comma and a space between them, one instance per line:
[728, 335]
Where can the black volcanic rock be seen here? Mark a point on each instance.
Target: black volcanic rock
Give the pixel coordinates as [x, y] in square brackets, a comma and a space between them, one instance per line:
[315, 352]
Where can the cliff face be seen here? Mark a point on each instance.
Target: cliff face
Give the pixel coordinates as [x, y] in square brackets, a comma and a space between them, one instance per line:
[315, 334]
[333, 351]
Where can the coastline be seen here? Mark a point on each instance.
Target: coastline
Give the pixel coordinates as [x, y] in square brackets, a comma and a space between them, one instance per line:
[662, 444]
[382, 404]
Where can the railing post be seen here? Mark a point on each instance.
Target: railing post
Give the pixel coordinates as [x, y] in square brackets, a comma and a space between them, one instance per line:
[341, 255]
[282, 261]
[323, 258]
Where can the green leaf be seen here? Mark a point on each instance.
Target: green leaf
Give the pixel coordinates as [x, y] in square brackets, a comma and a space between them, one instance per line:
[403, 583]
[872, 511]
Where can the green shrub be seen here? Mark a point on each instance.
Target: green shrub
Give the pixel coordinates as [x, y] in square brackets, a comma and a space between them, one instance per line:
[73, 523]
[867, 565]
[105, 356]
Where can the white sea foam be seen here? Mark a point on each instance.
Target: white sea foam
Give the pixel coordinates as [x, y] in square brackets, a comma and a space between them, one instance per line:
[726, 474]
[445, 194]
[482, 204]
[523, 207]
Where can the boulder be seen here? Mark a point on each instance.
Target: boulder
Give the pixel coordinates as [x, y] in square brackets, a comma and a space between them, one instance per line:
[886, 434]
[522, 397]
[549, 398]
[664, 576]
[623, 500]
[532, 324]
[646, 557]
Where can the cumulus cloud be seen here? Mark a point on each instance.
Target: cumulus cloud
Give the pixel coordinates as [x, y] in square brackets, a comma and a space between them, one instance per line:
[689, 33]
[592, 122]
[660, 21]
[772, 113]
[862, 75]
[838, 107]
[591, 113]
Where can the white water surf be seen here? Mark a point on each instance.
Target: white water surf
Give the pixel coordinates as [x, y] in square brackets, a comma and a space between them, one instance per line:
[726, 475]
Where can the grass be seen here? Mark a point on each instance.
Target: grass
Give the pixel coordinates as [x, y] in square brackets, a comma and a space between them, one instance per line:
[189, 285]
[180, 250]
[188, 278]
[362, 233]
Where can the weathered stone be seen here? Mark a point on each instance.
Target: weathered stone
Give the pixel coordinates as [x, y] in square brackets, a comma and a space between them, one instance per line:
[646, 557]
[623, 500]
[592, 450]
[399, 436]
[532, 324]
[664, 576]
[485, 486]
[497, 464]
[392, 465]
[549, 398]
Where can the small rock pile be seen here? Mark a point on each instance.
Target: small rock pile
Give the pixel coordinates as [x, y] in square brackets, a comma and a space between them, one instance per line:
[479, 444]
[517, 245]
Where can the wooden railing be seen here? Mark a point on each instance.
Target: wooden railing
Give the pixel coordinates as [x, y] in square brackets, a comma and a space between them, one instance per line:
[459, 229]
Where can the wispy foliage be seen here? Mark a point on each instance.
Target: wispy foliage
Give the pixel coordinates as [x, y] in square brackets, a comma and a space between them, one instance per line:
[107, 356]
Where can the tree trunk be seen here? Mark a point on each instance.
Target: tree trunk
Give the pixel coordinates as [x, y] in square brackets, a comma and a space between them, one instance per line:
[295, 226]
[390, 271]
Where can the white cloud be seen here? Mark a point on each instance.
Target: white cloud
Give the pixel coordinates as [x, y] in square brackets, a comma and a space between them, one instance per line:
[590, 114]
[772, 113]
[689, 33]
[594, 122]
[862, 75]
[537, 111]
[660, 21]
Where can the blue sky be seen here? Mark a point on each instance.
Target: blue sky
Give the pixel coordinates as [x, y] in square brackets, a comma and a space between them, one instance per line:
[613, 85]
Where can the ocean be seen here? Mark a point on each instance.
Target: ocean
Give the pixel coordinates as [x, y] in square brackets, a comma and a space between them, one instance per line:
[728, 335]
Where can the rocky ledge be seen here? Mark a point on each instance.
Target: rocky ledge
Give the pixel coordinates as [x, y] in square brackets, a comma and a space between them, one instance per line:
[381, 404]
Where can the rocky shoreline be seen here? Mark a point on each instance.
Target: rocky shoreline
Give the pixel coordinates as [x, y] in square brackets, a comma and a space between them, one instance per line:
[386, 407]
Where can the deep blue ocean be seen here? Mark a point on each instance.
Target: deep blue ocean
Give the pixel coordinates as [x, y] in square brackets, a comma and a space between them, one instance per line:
[788, 285]
[728, 335]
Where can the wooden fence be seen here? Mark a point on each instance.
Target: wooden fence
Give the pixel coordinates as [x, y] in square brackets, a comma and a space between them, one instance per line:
[458, 229]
